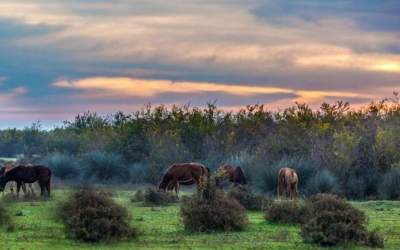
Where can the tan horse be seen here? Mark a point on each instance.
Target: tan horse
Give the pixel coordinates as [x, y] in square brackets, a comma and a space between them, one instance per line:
[287, 183]
[233, 174]
[184, 174]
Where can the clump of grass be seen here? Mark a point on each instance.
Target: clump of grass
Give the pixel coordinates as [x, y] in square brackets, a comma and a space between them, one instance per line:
[248, 199]
[138, 196]
[210, 209]
[91, 216]
[5, 218]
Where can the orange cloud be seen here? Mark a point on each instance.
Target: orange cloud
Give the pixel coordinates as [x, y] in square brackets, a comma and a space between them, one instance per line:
[146, 88]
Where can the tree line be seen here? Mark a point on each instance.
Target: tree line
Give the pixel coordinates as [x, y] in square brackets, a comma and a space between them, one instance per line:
[335, 148]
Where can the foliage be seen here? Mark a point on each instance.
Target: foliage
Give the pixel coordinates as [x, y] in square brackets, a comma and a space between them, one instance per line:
[357, 146]
[62, 165]
[103, 166]
[92, 216]
[248, 199]
[390, 186]
[287, 212]
[323, 182]
[332, 221]
[210, 209]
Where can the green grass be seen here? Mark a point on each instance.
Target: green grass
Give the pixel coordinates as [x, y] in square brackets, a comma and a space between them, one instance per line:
[160, 228]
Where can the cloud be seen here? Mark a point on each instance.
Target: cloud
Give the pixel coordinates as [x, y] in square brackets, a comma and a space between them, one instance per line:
[13, 93]
[111, 88]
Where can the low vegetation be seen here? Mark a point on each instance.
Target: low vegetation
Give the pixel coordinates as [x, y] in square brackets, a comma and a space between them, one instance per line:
[92, 216]
[332, 221]
[5, 218]
[210, 209]
[287, 212]
[153, 197]
[248, 199]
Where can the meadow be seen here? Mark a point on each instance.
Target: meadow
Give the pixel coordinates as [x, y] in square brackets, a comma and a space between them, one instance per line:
[36, 227]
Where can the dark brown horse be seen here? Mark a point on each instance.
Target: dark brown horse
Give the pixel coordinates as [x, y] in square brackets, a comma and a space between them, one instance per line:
[287, 183]
[233, 174]
[7, 167]
[28, 174]
[184, 174]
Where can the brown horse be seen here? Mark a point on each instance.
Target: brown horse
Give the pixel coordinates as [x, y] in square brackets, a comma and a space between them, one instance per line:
[287, 183]
[233, 174]
[28, 174]
[184, 174]
[7, 167]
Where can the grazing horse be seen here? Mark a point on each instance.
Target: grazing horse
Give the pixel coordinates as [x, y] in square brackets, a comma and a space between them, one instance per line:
[28, 174]
[7, 167]
[287, 183]
[184, 174]
[233, 174]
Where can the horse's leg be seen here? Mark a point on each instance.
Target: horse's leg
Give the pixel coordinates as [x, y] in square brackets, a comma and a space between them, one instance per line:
[12, 187]
[48, 187]
[30, 185]
[24, 188]
[41, 185]
[18, 188]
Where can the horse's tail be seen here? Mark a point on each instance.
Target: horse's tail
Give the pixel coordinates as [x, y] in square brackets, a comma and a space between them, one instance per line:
[240, 176]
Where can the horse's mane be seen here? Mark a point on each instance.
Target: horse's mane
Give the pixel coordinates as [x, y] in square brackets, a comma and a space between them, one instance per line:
[240, 175]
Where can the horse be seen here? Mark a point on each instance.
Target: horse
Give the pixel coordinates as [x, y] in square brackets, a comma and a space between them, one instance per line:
[287, 183]
[7, 167]
[28, 174]
[184, 174]
[233, 174]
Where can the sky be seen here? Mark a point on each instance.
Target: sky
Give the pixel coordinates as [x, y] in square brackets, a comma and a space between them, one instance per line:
[60, 58]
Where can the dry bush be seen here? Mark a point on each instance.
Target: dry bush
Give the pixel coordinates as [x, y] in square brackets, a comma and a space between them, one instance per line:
[248, 199]
[91, 216]
[288, 212]
[152, 197]
[210, 209]
[138, 196]
[333, 221]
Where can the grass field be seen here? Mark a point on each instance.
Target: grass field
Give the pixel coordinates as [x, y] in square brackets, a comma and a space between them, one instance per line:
[160, 228]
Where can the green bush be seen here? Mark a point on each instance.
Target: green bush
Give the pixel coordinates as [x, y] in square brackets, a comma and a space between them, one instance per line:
[91, 216]
[248, 199]
[138, 196]
[63, 166]
[323, 182]
[5, 218]
[332, 221]
[390, 186]
[103, 166]
[152, 197]
[287, 212]
[212, 210]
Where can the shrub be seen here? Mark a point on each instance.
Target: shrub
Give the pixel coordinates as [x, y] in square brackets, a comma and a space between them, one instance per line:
[105, 166]
[322, 182]
[92, 217]
[5, 219]
[333, 221]
[62, 165]
[248, 199]
[154, 197]
[138, 196]
[210, 209]
[288, 212]
[389, 187]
